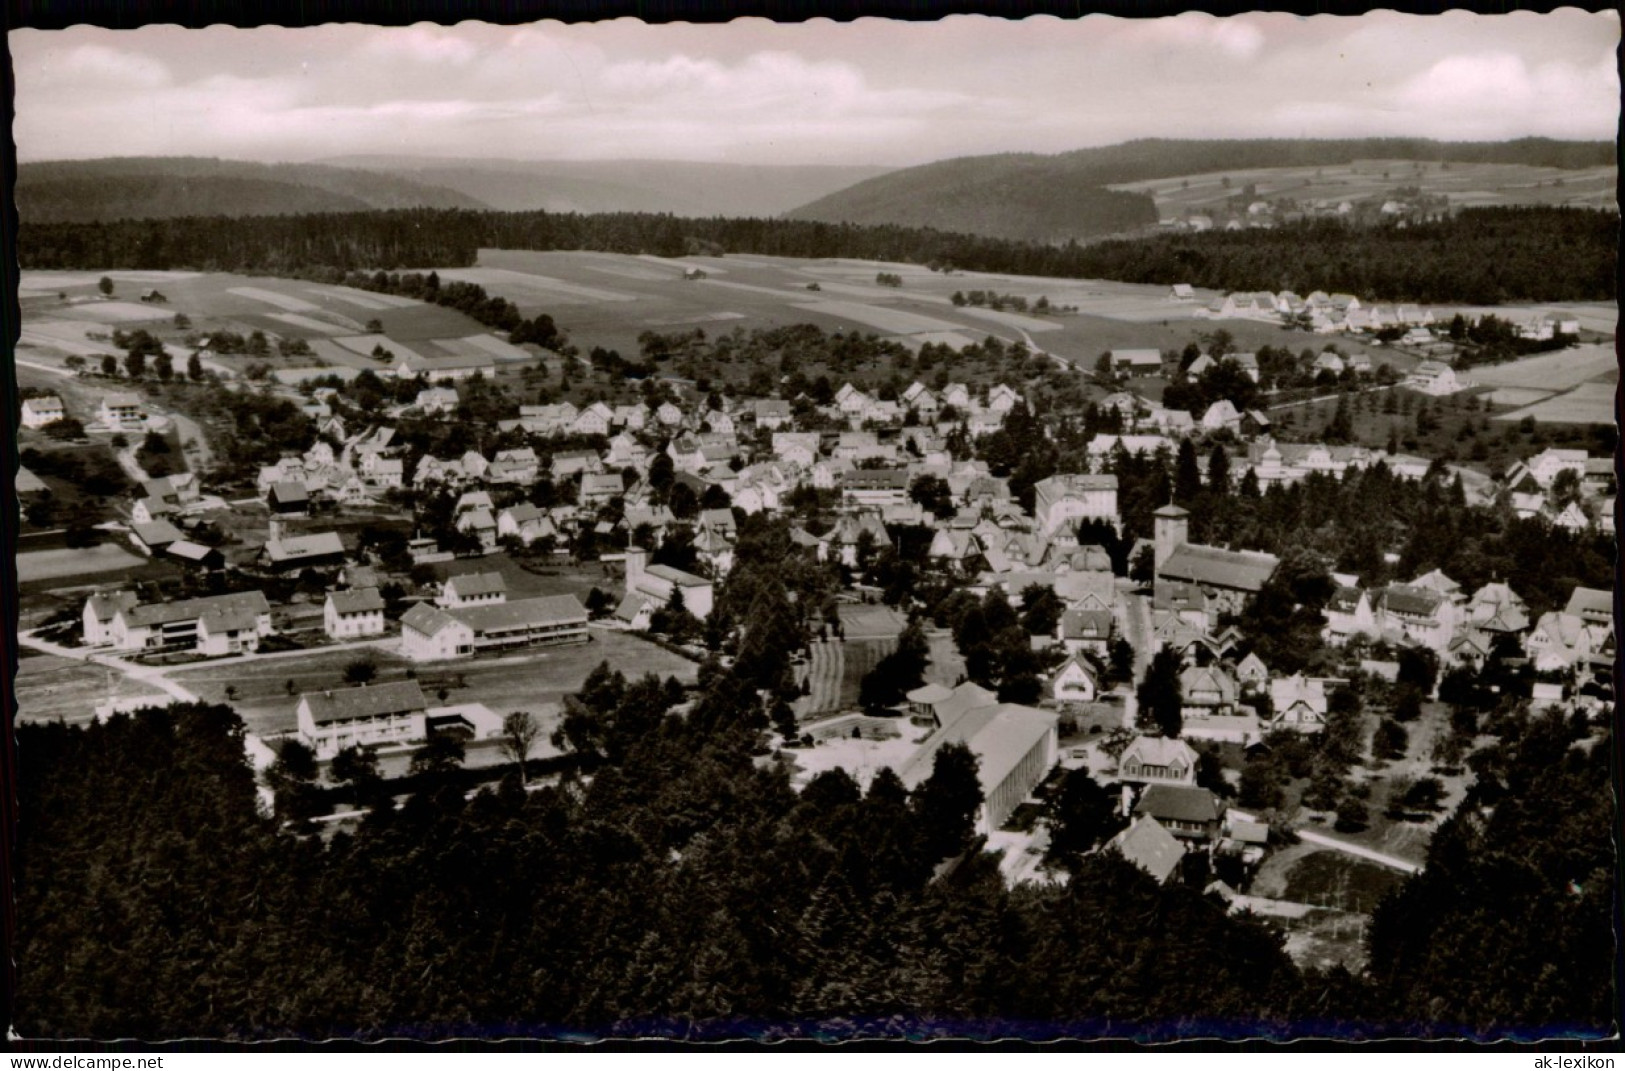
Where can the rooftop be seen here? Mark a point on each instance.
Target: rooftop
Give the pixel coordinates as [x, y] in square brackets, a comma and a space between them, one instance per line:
[368, 701]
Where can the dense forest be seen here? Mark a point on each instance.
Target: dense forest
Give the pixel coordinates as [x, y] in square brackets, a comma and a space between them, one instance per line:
[1023, 199]
[1480, 256]
[87, 191]
[1060, 197]
[1483, 255]
[1152, 158]
[684, 890]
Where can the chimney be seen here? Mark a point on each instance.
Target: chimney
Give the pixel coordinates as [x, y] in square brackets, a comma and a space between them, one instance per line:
[275, 532]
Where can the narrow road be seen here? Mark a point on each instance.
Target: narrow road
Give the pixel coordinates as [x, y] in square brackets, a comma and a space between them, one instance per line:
[1394, 861]
[198, 455]
[132, 468]
[158, 676]
[153, 675]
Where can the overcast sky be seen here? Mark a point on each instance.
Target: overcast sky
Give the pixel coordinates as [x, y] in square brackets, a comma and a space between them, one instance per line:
[866, 92]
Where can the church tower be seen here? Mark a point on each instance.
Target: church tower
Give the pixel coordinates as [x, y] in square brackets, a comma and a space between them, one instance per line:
[1171, 530]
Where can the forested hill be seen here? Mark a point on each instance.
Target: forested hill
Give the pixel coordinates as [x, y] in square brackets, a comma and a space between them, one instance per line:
[1478, 256]
[89, 191]
[1022, 197]
[1057, 198]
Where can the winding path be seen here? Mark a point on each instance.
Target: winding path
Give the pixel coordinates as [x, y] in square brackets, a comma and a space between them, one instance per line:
[1309, 836]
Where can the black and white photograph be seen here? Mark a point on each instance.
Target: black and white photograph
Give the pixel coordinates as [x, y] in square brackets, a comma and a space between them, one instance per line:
[978, 529]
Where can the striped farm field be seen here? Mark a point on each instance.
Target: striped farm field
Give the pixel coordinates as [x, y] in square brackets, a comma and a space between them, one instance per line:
[282, 301]
[836, 671]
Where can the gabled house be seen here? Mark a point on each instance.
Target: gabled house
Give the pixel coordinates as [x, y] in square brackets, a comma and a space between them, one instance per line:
[356, 612]
[595, 419]
[315, 550]
[179, 623]
[1188, 812]
[373, 715]
[1298, 703]
[100, 609]
[472, 589]
[38, 412]
[1207, 692]
[598, 489]
[1074, 681]
[1349, 613]
[1150, 846]
[1085, 631]
[771, 413]
[431, 633]
[122, 411]
[1157, 760]
[525, 522]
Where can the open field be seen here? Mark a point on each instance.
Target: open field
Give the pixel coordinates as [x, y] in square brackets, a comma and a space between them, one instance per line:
[49, 688]
[364, 299]
[286, 302]
[121, 312]
[363, 345]
[282, 308]
[537, 288]
[761, 292]
[1464, 184]
[56, 564]
[1589, 403]
[312, 324]
[1553, 371]
[491, 344]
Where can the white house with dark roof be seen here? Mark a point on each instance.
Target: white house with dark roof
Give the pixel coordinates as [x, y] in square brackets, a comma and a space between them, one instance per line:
[122, 410]
[225, 630]
[99, 612]
[374, 715]
[1087, 629]
[1157, 760]
[1298, 703]
[354, 613]
[472, 589]
[38, 412]
[177, 624]
[429, 633]
[1074, 681]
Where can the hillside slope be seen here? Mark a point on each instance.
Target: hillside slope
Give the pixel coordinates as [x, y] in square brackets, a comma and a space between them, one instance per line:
[1024, 197]
[89, 191]
[1050, 198]
[679, 187]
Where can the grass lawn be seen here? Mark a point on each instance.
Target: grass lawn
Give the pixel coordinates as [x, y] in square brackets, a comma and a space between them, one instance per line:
[50, 688]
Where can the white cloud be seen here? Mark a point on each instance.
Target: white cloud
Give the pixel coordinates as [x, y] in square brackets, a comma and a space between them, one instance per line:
[880, 92]
[425, 45]
[101, 66]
